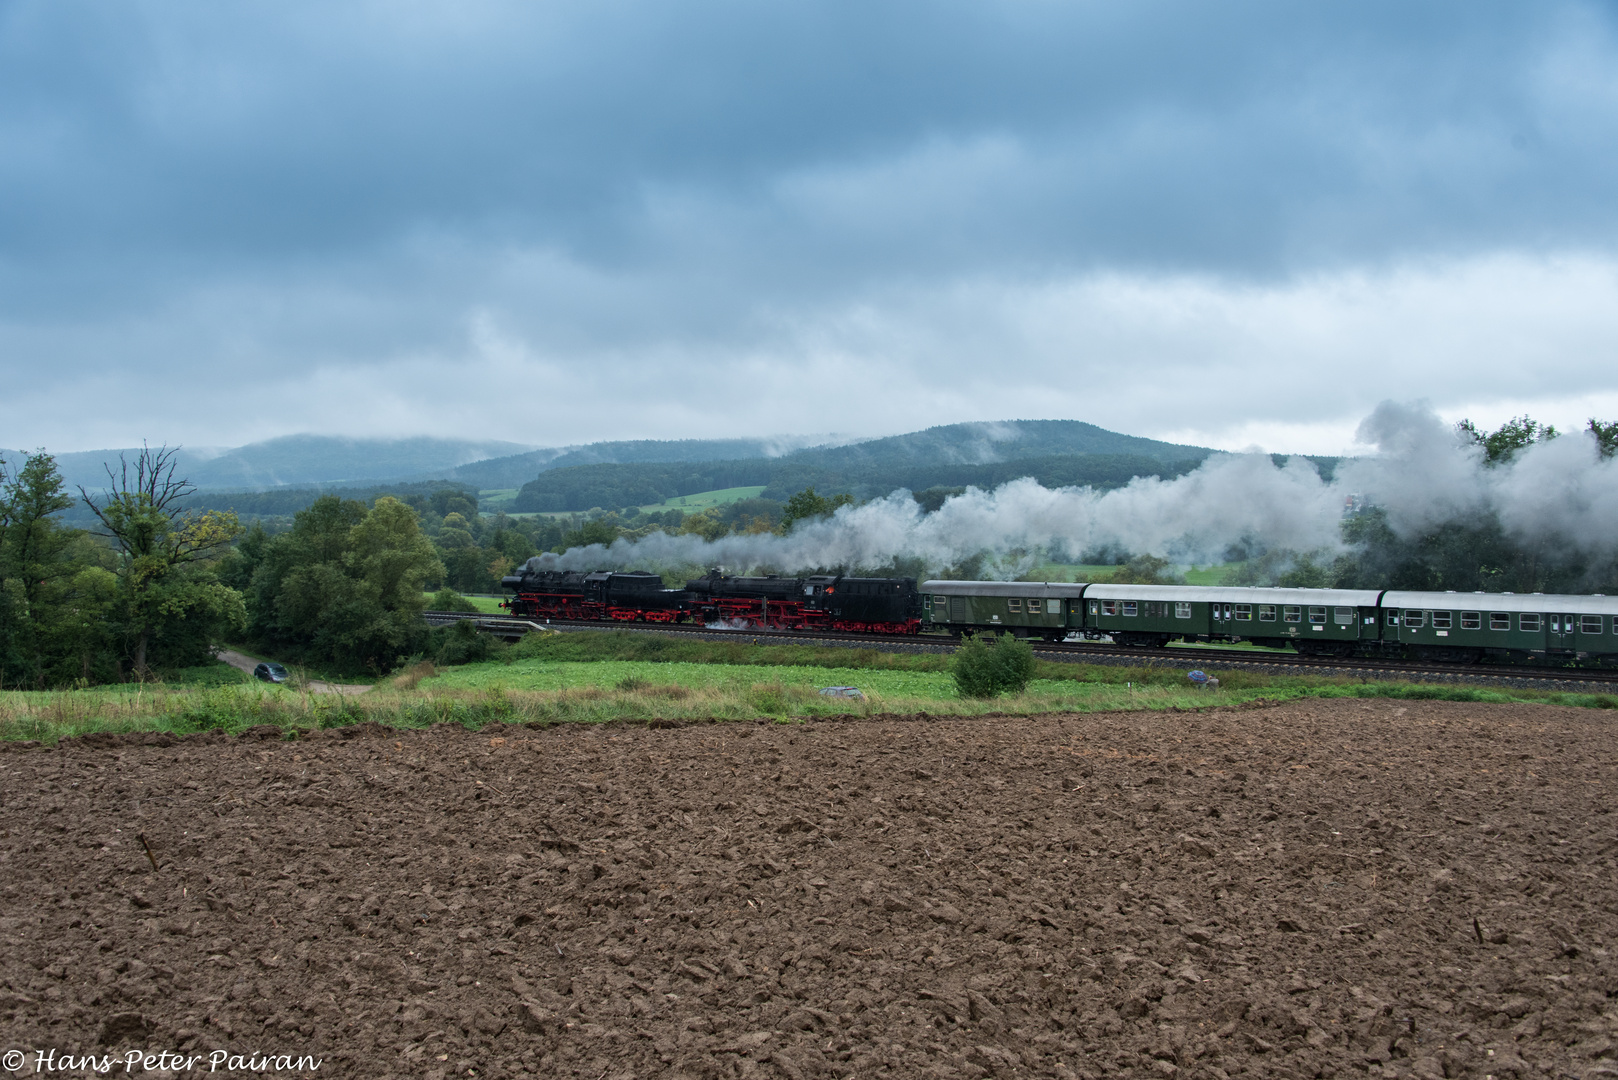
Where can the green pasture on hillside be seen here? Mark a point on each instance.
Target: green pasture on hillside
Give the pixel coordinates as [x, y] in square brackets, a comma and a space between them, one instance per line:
[703, 500]
[691, 504]
[493, 500]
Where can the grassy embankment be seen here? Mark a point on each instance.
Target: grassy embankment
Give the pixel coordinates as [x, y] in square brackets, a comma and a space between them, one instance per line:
[616, 675]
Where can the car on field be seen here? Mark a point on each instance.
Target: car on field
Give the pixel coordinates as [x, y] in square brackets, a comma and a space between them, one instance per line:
[271, 673]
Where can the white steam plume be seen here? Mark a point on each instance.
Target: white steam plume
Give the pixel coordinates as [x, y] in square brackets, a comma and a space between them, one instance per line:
[1421, 473]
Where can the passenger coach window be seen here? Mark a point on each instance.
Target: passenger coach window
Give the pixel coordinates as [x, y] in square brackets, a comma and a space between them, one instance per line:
[1291, 613]
[1266, 613]
[1182, 610]
[1415, 618]
[1499, 620]
[1528, 623]
[1441, 620]
[1317, 615]
[1244, 612]
[1130, 609]
[1014, 605]
[1589, 624]
[1108, 607]
[1393, 617]
[1343, 616]
[1471, 620]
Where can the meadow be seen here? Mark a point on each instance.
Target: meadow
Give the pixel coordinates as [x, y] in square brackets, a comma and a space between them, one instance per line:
[621, 676]
[495, 500]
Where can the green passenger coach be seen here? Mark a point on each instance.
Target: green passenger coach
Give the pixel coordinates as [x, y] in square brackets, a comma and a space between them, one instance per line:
[1049, 610]
[1325, 622]
[1466, 627]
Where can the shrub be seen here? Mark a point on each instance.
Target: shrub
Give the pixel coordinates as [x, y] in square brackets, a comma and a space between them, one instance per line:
[412, 676]
[989, 664]
[450, 600]
[461, 643]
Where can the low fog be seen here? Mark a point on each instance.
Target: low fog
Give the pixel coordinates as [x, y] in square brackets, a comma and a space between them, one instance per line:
[1416, 468]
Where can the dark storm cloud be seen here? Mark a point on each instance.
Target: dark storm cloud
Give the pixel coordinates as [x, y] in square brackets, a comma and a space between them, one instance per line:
[213, 187]
[1186, 135]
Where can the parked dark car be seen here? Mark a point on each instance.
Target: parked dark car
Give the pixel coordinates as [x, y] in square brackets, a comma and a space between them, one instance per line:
[270, 673]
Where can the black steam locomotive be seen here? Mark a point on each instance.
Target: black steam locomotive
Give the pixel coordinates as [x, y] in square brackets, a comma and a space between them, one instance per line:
[821, 602]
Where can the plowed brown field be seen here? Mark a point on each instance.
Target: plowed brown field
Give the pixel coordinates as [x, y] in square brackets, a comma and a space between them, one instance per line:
[1315, 889]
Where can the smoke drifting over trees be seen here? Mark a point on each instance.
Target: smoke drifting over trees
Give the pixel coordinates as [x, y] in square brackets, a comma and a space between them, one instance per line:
[1547, 513]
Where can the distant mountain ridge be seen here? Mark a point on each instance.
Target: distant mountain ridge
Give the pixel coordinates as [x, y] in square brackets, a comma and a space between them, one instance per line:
[991, 443]
[292, 461]
[948, 454]
[1055, 452]
[517, 469]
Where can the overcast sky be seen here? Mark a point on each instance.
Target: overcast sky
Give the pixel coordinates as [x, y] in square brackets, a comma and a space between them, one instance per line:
[1235, 224]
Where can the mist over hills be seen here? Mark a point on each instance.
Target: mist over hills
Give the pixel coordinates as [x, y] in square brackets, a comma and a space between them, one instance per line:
[303, 460]
[287, 473]
[1054, 452]
[291, 461]
[992, 443]
[517, 469]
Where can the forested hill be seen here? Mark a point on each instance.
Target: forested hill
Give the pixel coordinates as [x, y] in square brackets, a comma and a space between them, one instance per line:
[958, 444]
[517, 469]
[325, 461]
[1057, 453]
[988, 443]
[585, 487]
[293, 460]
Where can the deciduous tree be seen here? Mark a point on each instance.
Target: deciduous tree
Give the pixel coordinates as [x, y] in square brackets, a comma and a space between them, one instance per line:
[162, 580]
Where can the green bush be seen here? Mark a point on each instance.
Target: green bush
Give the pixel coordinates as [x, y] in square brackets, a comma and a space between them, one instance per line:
[989, 664]
[450, 600]
[461, 643]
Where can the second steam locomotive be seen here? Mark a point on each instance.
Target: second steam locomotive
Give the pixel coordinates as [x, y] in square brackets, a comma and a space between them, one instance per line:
[820, 602]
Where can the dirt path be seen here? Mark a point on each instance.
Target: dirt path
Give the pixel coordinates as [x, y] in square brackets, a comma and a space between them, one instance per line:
[247, 663]
[1317, 889]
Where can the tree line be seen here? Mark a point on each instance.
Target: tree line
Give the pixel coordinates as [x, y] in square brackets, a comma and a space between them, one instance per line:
[138, 592]
[157, 582]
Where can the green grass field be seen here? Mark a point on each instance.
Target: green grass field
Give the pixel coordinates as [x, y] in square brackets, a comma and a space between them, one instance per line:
[489, 605]
[493, 500]
[541, 675]
[503, 498]
[703, 500]
[599, 676]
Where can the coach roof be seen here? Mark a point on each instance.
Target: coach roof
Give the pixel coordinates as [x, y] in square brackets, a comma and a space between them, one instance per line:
[1034, 589]
[1236, 595]
[1474, 601]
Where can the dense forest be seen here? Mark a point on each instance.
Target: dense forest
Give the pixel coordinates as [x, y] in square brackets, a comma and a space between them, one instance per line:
[586, 487]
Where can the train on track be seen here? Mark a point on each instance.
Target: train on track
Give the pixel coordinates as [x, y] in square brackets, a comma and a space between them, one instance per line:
[1442, 627]
[821, 602]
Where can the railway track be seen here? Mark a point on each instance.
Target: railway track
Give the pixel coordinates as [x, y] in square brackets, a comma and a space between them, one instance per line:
[1087, 652]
